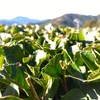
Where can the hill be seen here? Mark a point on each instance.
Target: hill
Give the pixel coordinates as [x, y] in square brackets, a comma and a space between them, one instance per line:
[68, 20]
[19, 20]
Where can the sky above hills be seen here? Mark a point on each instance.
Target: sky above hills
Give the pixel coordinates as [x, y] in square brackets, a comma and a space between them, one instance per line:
[47, 9]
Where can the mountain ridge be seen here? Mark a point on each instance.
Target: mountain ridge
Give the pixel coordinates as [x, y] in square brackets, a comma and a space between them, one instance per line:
[19, 20]
[66, 20]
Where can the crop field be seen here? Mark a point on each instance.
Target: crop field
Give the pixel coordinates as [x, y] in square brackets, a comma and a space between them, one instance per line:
[49, 63]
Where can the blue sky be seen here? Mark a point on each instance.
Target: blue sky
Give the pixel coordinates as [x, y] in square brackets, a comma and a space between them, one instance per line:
[47, 9]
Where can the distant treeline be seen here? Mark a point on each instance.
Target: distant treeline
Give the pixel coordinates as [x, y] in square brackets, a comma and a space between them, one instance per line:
[92, 23]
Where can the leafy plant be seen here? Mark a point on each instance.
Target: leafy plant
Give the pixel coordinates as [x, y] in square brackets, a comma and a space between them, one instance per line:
[51, 63]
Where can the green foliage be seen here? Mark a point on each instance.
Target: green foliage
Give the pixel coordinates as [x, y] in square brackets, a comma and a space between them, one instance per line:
[56, 67]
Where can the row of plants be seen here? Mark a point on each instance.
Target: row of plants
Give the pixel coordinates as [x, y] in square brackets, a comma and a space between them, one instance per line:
[49, 63]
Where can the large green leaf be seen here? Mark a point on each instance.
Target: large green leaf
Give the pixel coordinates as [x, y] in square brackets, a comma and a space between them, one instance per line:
[69, 60]
[34, 70]
[78, 59]
[89, 60]
[40, 40]
[5, 77]
[9, 56]
[28, 47]
[74, 94]
[17, 52]
[92, 90]
[53, 68]
[15, 29]
[12, 89]
[20, 78]
[14, 53]
[81, 36]
[18, 36]
[11, 70]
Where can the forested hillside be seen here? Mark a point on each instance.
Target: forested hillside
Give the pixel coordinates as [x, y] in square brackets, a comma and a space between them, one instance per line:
[68, 20]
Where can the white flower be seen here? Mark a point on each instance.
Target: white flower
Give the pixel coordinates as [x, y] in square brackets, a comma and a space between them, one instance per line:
[6, 27]
[21, 33]
[46, 36]
[91, 36]
[72, 30]
[31, 31]
[37, 27]
[49, 28]
[4, 36]
[49, 85]
[52, 44]
[1, 43]
[63, 40]
[27, 29]
[75, 48]
[39, 55]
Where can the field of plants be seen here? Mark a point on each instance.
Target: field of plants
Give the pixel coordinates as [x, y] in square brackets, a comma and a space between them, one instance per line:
[49, 63]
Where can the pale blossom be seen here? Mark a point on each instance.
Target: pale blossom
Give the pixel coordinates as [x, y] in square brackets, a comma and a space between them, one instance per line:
[39, 55]
[4, 36]
[37, 27]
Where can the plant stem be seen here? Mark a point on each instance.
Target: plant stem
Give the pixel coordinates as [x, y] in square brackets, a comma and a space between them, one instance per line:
[64, 74]
[33, 92]
[65, 83]
[82, 80]
[43, 97]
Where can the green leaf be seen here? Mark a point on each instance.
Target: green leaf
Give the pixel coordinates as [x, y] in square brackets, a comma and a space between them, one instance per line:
[14, 53]
[69, 61]
[51, 51]
[81, 36]
[74, 94]
[34, 70]
[2, 29]
[18, 36]
[75, 67]
[47, 80]
[89, 60]
[20, 78]
[17, 52]
[2, 51]
[28, 47]
[1, 61]
[16, 29]
[92, 90]
[97, 57]
[53, 89]
[40, 40]
[74, 37]
[94, 75]
[26, 59]
[9, 56]
[12, 89]
[78, 59]
[53, 68]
